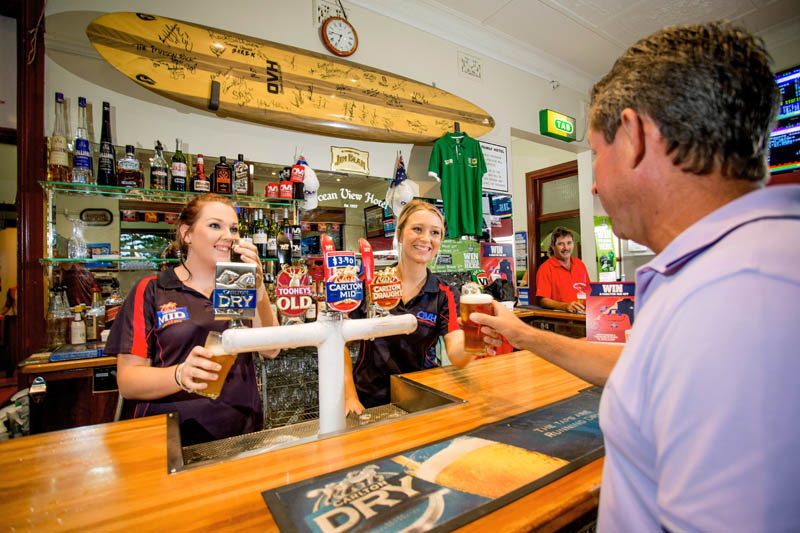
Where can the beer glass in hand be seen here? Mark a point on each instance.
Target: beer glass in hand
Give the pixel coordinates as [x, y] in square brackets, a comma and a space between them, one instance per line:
[226, 360]
[474, 303]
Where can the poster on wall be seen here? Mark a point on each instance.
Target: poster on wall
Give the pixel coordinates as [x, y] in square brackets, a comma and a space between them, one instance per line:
[498, 261]
[606, 248]
[496, 177]
[521, 252]
[456, 255]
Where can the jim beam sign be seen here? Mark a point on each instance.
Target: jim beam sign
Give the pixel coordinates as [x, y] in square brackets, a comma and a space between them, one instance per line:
[386, 290]
[349, 160]
[293, 290]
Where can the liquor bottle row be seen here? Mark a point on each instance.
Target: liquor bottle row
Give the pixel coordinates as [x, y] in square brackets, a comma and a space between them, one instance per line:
[176, 175]
[78, 325]
[274, 238]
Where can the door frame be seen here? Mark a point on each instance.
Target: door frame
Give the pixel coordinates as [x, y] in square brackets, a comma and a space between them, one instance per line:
[533, 194]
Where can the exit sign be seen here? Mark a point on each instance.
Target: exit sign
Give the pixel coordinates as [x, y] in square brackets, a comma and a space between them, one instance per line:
[556, 125]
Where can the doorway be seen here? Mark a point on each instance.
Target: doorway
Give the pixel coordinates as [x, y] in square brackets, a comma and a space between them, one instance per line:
[552, 200]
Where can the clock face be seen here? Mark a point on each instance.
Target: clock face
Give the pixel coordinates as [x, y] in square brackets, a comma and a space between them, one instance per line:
[339, 36]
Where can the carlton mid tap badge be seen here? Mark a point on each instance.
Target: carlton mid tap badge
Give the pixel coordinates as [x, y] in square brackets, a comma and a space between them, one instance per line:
[342, 287]
[293, 290]
[386, 290]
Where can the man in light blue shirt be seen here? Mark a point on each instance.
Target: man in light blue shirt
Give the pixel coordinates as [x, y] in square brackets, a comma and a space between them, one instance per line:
[700, 410]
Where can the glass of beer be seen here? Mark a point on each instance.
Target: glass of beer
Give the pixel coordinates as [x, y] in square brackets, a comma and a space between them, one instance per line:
[582, 300]
[474, 303]
[226, 360]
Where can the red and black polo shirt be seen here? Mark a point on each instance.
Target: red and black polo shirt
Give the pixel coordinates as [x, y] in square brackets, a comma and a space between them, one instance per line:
[162, 319]
[436, 309]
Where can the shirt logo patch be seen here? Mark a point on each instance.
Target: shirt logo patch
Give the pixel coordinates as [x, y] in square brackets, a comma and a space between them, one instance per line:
[448, 161]
[427, 318]
[170, 314]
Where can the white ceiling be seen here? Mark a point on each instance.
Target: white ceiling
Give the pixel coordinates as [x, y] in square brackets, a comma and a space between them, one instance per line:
[575, 42]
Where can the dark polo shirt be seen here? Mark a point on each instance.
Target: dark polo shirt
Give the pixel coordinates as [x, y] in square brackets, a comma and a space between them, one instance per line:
[162, 319]
[436, 309]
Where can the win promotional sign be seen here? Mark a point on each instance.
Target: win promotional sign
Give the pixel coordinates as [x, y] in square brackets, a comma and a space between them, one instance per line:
[498, 261]
[609, 312]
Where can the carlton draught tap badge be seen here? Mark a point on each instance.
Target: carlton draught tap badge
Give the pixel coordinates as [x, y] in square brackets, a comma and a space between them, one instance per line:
[386, 290]
[235, 291]
[293, 290]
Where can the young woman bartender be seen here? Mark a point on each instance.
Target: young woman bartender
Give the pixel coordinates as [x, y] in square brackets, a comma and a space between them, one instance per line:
[420, 230]
[159, 334]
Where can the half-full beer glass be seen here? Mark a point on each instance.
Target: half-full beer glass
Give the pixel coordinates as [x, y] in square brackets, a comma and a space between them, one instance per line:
[226, 360]
[474, 303]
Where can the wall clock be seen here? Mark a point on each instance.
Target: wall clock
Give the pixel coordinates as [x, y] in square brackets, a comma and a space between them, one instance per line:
[339, 36]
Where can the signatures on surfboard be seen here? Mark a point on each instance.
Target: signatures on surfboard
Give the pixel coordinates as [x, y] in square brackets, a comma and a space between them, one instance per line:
[172, 34]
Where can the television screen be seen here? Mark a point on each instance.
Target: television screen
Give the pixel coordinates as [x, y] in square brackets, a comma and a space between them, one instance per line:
[784, 148]
[789, 83]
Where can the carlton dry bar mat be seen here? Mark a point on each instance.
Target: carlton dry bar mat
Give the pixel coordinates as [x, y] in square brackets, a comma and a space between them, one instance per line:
[446, 484]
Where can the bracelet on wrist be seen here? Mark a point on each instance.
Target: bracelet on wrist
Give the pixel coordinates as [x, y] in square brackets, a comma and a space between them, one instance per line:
[179, 378]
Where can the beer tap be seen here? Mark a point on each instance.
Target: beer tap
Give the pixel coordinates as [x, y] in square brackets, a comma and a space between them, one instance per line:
[329, 334]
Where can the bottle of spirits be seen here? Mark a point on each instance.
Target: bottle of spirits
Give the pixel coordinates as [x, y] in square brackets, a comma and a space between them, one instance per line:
[222, 176]
[55, 331]
[96, 316]
[113, 303]
[200, 182]
[272, 238]
[178, 169]
[284, 242]
[82, 162]
[65, 314]
[244, 225]
[285, 226]
[107, 158]
[260, 234]
[159, 170]
[59, 152]
[242, 180]
[296, 234]
[129, 170]
[77, 333]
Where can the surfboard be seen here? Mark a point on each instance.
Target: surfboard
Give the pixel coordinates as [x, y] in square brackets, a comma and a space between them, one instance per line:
[270, 83]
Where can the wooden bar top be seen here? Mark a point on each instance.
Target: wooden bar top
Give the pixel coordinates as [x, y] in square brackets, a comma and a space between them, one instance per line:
[113, 477]
[37, 364]
[549, 313]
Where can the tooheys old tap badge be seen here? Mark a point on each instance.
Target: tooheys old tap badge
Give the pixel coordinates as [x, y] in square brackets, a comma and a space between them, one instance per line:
[386, 290]
[293, 290]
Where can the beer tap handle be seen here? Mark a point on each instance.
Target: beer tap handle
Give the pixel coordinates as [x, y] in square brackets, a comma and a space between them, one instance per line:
[367, 260]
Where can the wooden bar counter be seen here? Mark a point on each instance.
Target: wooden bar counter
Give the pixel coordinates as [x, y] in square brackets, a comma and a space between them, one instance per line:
[113, 477]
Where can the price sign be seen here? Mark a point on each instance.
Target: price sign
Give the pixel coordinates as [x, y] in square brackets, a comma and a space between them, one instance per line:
[342, 287]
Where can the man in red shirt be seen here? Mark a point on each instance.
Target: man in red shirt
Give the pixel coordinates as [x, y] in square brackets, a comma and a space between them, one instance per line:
[559, 278]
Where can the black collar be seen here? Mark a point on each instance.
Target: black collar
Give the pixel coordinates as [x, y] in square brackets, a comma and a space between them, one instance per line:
[167, 279]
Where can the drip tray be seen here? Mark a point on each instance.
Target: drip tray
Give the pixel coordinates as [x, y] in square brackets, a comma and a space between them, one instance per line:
[409, 399]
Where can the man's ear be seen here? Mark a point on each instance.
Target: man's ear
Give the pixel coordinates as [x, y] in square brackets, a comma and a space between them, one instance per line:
[632, 132]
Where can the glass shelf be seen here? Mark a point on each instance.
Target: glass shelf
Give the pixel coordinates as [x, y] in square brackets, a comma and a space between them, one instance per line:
[155, 195]
[46, 260]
